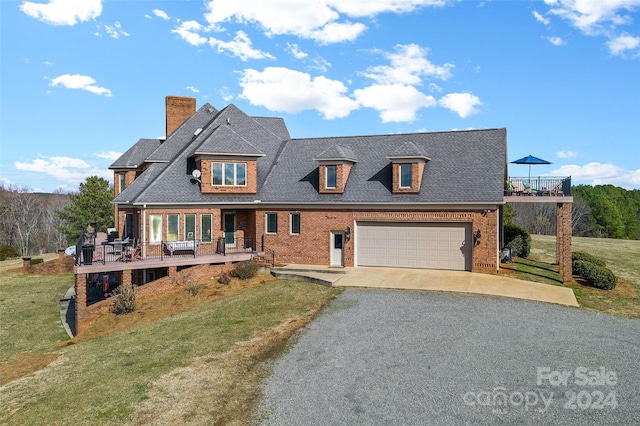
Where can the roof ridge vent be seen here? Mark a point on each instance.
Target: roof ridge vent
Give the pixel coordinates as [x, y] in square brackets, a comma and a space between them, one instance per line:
[197, 132]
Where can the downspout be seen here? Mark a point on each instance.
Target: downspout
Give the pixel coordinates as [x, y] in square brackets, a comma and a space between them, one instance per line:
[144, 240]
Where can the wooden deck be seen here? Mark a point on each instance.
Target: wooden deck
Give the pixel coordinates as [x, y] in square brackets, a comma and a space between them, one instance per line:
[165, 262]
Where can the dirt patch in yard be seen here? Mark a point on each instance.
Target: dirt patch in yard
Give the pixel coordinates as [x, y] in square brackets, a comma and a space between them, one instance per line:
[218, 388]
[155, 308]
[24, 364]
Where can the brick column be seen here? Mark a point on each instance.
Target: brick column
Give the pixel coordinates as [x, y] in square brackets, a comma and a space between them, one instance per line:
[126, 278]
[81, 301]
[563, 241]
[173, 271]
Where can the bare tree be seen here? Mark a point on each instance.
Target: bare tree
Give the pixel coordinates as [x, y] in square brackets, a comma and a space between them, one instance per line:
[23, 211]
[580, 218]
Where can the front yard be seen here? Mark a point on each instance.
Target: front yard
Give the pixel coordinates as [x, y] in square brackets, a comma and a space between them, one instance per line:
[179, 358]
[622, 256]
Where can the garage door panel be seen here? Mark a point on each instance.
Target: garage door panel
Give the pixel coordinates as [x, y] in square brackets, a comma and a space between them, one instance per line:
[414, 245]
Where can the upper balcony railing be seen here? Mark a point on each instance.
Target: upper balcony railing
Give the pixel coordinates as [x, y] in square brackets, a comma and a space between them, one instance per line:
[540, 186]
[123, 251]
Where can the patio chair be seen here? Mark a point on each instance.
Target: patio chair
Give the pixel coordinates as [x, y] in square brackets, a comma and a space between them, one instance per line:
[132, 252]
[556, 190]
[117, 246]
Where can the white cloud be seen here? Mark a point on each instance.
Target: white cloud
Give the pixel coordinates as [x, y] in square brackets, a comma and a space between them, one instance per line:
[409, 64]
[109, 155]
[188, 31]
[82, 82]
[566, 154]
[556, 41]
[161, 14]
[115, 31]
[359, 8]
[464, 104]
[623, 43]
[70, 170]
[541, 18]
[319, 20]
[282, 89]
[395, 102]
[601, 174]
[593, 16]
[294, 49]
[240, 46]
[193, 89]
[63, 12]
[336, 32]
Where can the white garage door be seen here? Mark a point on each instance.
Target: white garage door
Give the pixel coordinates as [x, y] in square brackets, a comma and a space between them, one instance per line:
[414, 245]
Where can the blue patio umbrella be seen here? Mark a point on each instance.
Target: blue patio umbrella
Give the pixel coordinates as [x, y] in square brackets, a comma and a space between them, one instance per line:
[530, 160]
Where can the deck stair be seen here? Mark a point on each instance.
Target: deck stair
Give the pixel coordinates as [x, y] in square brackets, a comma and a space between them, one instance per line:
[323, 275]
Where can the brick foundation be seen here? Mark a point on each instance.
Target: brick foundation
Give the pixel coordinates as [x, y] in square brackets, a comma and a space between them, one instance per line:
[87, 314]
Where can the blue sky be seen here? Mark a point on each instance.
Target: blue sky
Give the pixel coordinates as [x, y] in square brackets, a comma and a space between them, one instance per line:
[82, 80]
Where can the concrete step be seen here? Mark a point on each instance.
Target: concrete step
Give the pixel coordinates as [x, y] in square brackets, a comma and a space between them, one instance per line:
[311, 269]
[321, 278]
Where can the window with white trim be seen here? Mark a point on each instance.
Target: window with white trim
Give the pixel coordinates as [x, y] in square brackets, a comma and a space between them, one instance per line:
[294, 221]
[123, 181]
[173, 226]
[331, 177]
[155, 228]
[190, 226]
[206, 227]
[229, 174]
[271, 220]
[405, 175]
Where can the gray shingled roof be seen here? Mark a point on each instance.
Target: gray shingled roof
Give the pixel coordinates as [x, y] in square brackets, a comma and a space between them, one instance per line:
[337, 152]
[137, 154]
[226, 140]
[408, 149]
[464, 166]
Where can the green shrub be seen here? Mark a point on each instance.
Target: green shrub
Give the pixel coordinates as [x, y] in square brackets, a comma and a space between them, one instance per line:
[517, 239]
[580, 255]
[8, 252]
[36, 260]
[224, 279]
[245, 269]
[597, 276]
[124, 299]
[193, 289]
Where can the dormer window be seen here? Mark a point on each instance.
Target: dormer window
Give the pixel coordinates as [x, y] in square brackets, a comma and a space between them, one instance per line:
[334, 167]
[331, 177]
[229, 174]
[405, 175]
[407, 165]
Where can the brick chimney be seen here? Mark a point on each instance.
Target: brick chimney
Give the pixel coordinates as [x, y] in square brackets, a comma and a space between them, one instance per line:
[179, 108]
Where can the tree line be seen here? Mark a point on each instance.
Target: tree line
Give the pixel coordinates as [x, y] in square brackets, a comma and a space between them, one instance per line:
[603, 211]
[36, 223]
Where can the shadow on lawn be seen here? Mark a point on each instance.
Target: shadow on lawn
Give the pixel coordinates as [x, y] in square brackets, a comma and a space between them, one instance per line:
[532, 269]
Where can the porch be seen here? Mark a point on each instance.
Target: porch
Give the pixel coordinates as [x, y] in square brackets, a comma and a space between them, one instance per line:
[126, 255]
[538, 188]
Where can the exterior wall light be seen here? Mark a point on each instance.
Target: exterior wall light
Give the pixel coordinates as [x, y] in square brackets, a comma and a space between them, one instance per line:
[347, 233]
[477, 237]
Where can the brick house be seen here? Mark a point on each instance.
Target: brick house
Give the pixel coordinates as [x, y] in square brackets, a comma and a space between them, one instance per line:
[421, 200]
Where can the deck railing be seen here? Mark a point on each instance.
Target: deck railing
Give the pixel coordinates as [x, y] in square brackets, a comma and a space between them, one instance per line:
[120, 251]
[538, 186]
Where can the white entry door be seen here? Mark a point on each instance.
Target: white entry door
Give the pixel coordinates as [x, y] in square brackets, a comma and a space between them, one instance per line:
[337, 248]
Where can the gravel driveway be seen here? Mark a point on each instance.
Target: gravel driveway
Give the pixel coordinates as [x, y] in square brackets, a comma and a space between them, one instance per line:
[387, 357]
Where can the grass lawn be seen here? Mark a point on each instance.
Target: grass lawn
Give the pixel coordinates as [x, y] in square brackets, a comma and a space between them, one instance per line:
[200, 362]
[622, 257]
